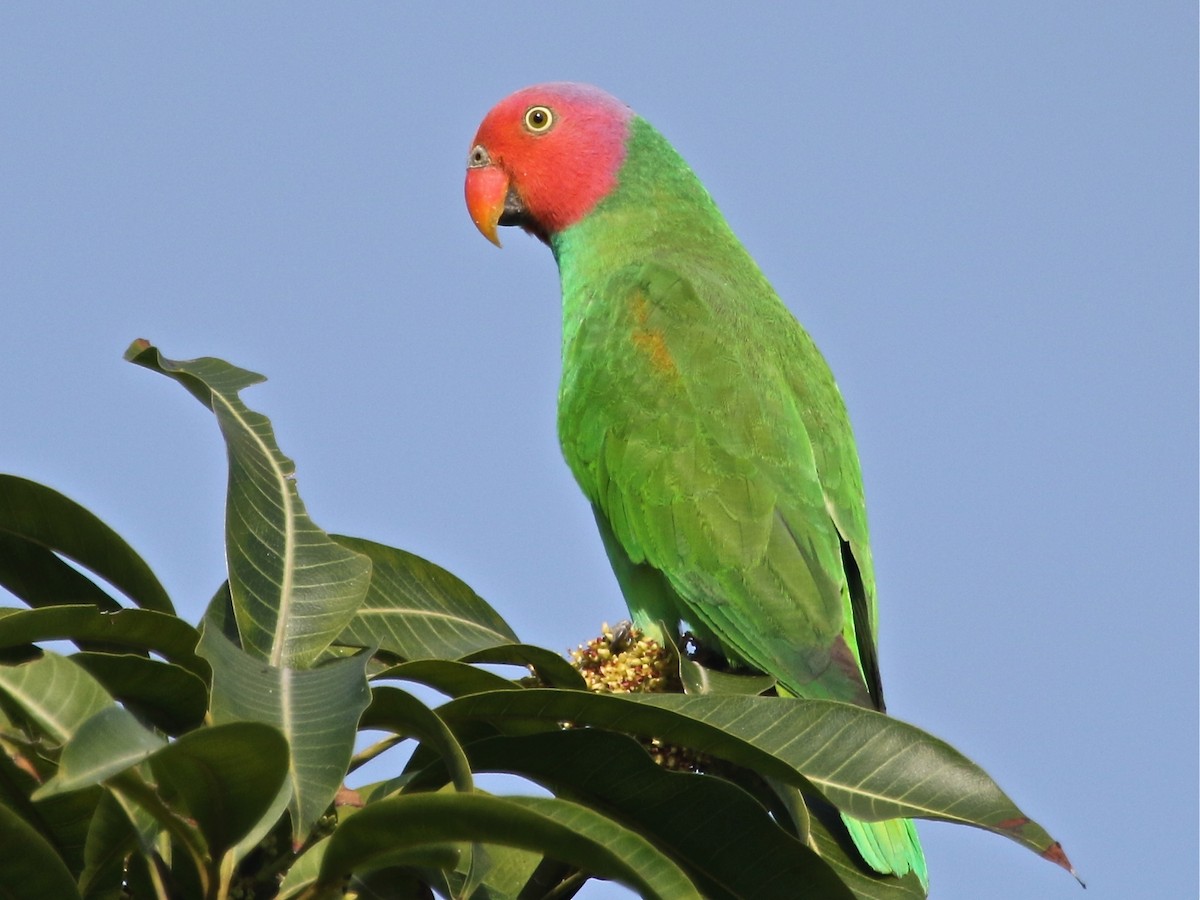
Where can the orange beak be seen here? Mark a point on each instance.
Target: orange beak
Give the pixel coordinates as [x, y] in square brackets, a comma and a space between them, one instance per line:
[486, 189]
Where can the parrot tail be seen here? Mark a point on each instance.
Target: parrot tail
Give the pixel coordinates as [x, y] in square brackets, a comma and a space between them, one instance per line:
[890, 847]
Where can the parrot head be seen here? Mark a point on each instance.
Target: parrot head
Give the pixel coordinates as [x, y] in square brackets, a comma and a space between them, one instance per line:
[544, 157]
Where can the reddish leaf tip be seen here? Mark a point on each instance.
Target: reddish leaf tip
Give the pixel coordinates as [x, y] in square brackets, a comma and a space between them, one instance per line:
[1058, 856]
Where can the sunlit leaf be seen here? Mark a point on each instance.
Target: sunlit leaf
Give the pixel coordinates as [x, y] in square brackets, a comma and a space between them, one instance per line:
[418, 610]
[108, 743]
[868, 764]
[317, 710]
[57, 695]
[294, 590]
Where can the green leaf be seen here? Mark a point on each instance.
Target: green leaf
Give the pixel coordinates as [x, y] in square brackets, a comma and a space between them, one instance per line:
[316, 709]
[395, 710]
[140, 630]
[226, 777]
[550, 668]
[556, 828]
[109, 838]
[453, 679]
[686, 816]
[866, 763]
[107, 744]
[32, 869]
[168, 696]
[294, 590]
[39, 577]
[418, 610]
[45, 517]
[698, 679]
[64, 821]
[57, 695]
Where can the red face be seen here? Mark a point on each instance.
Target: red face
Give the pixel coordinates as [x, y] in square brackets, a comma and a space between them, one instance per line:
[545, 156]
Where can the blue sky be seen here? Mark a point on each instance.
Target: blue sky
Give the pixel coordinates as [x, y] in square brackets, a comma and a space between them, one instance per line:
[985, 214]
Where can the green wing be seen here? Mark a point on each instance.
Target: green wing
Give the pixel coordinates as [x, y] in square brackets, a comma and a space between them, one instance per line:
[713, 444]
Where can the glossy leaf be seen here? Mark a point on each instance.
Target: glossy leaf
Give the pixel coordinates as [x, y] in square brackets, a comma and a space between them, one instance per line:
[42, 515]
[556, 828]
[294, 590]
[105, 745]
[57, 695]
[317, 710]
[138, 630]
[417, 610]
[871, 765]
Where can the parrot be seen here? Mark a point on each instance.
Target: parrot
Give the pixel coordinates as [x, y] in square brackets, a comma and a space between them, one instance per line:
[695, 412]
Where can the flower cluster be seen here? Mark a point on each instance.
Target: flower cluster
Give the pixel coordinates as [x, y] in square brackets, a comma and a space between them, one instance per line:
[624, 661]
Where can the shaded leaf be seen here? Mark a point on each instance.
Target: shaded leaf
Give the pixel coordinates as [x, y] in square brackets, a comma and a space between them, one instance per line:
[557, 828]
[43, 516]
[64, 821]
[39, 577]
[686, 816]
[453, 679]
[551, 669]
[226, 777]
[139, 630]
[836, 848]
[397, 711]
[316, 709]
[109, 838]
[32, 869]
[293, 588]
[418, 610]
[167, 695]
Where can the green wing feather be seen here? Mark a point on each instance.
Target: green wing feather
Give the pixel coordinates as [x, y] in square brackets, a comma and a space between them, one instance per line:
[706, 430]
[694, 452]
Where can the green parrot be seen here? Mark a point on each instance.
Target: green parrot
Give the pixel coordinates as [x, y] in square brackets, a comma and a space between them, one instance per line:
[694, 411]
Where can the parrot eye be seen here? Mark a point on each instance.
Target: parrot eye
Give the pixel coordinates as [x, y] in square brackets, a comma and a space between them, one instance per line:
[538, 119]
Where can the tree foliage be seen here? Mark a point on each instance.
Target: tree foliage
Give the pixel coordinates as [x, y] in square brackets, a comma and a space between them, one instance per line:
[157, 759]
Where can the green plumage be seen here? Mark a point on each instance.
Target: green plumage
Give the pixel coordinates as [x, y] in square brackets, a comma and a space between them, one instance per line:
[707, 431]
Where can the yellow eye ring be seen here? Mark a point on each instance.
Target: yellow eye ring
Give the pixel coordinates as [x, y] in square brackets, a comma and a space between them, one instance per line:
[538, 119]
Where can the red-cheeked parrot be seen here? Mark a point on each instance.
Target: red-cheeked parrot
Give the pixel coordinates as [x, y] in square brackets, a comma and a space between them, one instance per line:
[695, 412]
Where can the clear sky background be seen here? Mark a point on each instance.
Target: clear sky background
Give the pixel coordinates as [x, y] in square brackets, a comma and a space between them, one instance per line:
[986, 215]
